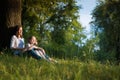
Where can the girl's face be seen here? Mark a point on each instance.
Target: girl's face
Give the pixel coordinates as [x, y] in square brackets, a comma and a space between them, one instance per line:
[32, 40]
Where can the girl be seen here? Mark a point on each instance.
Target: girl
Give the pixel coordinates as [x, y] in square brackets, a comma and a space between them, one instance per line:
[36, 51]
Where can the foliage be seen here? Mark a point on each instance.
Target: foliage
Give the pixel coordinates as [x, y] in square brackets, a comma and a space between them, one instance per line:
[88, 50]
[54, 23]
[106, 23]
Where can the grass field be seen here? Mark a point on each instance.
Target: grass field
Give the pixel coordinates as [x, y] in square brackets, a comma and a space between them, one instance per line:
[21, 68]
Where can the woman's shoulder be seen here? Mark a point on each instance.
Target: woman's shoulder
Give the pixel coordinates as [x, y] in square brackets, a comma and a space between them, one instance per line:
[14, 36]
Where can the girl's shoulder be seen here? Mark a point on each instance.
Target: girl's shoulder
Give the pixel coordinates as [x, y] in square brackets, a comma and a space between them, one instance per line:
[28, 44]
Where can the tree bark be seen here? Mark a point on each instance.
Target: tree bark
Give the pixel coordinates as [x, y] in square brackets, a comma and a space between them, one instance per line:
[118, 50]
[10, 16]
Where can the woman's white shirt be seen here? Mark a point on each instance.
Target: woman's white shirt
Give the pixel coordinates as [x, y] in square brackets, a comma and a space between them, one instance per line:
[17, 43]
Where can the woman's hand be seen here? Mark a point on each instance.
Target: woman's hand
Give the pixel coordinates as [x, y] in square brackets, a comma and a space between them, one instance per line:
[24, 49]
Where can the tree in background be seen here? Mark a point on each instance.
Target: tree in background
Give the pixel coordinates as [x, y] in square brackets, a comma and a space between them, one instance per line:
[55, 23]
[10, 16]
[106, 22]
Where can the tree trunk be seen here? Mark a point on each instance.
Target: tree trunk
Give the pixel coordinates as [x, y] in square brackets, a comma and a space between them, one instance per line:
[10, 16]
[118, 50]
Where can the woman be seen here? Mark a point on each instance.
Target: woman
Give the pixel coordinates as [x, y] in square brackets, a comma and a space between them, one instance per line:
[17, 41]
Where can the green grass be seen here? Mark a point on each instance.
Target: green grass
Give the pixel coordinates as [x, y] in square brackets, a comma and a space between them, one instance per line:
[19, 68]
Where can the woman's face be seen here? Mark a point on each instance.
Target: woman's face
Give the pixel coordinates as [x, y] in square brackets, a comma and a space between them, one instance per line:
[19, 32]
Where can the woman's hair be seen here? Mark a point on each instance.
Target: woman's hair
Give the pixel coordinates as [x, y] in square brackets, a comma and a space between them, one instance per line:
[17, 27]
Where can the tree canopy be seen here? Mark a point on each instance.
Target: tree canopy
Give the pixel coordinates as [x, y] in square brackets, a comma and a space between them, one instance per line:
[55, 23]
[106, 23]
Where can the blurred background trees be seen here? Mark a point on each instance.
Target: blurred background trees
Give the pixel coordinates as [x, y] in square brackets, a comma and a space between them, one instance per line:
[106, 22]
[55, 24]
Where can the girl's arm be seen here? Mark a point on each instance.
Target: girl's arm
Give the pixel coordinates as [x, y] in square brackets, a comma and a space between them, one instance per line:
[31, 46]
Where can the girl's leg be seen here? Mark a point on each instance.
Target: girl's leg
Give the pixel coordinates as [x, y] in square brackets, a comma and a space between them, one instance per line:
[50, 59]
[44, 56]
[41, 54]
[42, 50]
[34, 54]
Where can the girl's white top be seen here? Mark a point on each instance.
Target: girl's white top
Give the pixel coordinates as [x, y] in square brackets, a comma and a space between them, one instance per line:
[30, 46]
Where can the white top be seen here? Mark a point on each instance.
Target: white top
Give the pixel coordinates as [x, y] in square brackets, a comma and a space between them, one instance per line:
[30, 46]
[17, 43]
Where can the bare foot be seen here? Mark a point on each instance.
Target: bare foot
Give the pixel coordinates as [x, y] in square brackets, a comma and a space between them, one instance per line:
[52, 60]
[1, 53]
